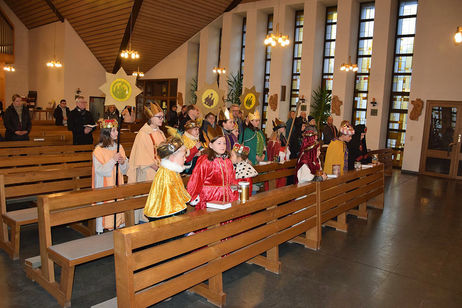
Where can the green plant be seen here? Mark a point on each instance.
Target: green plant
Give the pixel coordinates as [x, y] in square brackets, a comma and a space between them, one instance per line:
[192, 91]
[320, 106]
[234, 88]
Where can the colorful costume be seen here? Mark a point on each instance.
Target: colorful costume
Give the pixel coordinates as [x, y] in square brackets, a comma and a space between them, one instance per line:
[308, 162]
[144, 154]
[167, 195]
[244, 170]
[277, 149]
[357, 148]
[337, 152]
[104, 175]
[254, 139]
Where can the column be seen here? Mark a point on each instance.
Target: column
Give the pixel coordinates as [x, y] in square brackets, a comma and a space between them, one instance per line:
[346, 43]
[380, 74]
[208, 55]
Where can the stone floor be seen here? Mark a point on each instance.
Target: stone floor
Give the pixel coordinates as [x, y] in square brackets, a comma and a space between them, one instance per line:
[409, 255]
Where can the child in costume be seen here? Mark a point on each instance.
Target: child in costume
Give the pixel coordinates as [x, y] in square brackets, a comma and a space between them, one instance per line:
[191, 141]
[226, 122]
[277, 145]
[168, 196]
[253, 138]
[337, 151]
[213, 175]
[105, 157]
[144, 160]
[244, 170]
[308, 162]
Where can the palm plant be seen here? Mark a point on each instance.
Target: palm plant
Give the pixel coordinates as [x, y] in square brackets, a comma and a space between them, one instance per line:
[320, 106]
[234, 88]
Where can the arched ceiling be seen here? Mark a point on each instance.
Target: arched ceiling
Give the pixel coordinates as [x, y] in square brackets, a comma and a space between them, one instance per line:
[160, 26]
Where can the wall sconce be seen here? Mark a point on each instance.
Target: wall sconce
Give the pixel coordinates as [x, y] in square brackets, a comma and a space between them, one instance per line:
[373, 102]
[458, 36]
[219, 70]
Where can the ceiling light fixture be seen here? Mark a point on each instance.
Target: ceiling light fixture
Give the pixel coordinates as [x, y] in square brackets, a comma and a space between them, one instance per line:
[277, 38]
[458, 36]
[54, 63]
[130, 53]
[9, 68]
[219, 70]
[138, 73]
[348, 66]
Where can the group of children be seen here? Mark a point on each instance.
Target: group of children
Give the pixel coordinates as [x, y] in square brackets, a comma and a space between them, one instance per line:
[215, 166]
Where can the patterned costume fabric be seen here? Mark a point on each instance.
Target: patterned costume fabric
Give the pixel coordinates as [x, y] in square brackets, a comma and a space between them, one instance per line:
[255, 140]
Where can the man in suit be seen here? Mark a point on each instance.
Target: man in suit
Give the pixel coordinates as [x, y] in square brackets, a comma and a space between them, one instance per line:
[81, 123]
[61, 113]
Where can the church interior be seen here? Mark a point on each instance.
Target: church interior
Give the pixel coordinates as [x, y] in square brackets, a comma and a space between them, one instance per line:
[214, 137]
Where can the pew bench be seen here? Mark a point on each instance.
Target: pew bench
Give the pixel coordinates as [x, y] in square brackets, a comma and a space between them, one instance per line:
[154, 261]
[37, 142]
[72, 207]
[33, 183]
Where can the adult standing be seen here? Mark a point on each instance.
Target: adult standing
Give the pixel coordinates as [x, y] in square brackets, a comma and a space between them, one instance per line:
[61, 113]
[289, 122]
[17, 120]
[144, 160]
[192, 113]
[357, 148]
[172, 116]
[81, 123]
[312, 124]
[237, 118]
[329, 132]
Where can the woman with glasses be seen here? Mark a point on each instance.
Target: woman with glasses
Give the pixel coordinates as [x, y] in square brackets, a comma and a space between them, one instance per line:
[144, 160]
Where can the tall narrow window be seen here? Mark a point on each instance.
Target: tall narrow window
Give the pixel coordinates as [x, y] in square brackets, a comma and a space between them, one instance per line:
[269, 29]
[329, 48]
[297, 60]
[219, 56]
[364, 53]
[401, 78]
[244, 30]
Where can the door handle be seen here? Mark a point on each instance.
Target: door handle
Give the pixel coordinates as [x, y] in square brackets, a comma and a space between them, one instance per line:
[450, 148]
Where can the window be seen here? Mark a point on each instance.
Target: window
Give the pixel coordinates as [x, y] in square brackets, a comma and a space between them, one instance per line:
[329, 49]
[401, 78]
[269, 29]
[363, 56]
[296, 60]
[244, 31]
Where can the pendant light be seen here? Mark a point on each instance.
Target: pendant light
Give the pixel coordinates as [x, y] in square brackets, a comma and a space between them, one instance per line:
[54, 63]
[130, 53]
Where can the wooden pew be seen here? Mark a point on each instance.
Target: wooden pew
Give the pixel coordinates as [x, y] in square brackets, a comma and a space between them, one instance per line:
[349, 194]
[72, 207]
[33, 183]
[37, 142]
[273, 171]
[39, 150]
[385, 157]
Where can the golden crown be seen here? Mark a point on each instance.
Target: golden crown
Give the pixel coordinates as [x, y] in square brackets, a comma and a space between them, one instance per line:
[254, 116]
[108, 123]
[153, 109]
[169, 146]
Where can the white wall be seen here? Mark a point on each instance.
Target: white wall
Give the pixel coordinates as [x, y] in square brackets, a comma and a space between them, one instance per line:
[437, 67]
[17, 82]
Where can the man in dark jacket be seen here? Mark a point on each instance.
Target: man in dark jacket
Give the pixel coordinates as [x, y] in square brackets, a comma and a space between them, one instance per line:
[81, 123]
[61, 113]
[17, 120]
[330, 132]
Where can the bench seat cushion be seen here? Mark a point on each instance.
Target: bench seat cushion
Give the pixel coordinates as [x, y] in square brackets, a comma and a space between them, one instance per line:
[84, 247]
[23, 216]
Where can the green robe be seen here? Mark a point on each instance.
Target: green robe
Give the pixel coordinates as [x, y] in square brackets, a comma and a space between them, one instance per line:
[255, 140]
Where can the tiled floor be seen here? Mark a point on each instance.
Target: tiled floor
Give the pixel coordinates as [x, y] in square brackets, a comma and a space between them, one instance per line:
[409, 255]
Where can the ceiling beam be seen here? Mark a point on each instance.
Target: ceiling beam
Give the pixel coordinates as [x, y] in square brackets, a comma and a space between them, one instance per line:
[128, 29]
[55, 10]
[232, 5]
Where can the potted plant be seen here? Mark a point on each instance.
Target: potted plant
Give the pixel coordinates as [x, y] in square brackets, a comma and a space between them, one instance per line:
[320, 106]
[234, 88]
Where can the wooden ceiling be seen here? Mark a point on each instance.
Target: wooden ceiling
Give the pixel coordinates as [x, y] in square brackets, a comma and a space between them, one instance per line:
[160, 27]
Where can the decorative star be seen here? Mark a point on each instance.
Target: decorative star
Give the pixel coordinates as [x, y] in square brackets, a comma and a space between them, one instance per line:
[210, 99]
[120, 89]
[250, 99]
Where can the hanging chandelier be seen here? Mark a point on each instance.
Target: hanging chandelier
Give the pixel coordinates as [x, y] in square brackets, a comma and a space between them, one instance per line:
[9, 68]
[458, 36]
[54, 63]
[277, 38]
[138, 73]
[130, 53]
[348, 66]
[219, 70]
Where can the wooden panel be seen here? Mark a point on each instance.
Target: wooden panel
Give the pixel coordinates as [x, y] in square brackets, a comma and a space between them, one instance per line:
[33, 13]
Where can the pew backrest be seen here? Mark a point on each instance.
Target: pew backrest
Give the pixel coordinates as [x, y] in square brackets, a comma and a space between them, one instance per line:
[155, 261]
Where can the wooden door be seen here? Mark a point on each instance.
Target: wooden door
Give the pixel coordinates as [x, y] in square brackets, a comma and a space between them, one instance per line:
[441, 149]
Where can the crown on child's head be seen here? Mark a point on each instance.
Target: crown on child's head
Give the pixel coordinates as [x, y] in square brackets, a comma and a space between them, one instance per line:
[241, 149]
[108, 123]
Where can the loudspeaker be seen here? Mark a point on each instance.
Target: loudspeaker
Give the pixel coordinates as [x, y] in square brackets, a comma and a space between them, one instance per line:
[283, 93]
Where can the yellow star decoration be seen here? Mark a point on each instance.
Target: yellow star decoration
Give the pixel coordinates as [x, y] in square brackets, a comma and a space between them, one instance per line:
[209, 99]
[120, 89]
[250, 99]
